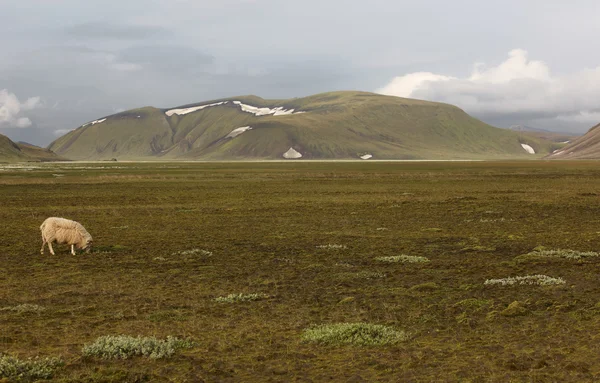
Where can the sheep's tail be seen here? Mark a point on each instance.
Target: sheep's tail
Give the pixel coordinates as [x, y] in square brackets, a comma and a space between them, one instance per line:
[42, 226]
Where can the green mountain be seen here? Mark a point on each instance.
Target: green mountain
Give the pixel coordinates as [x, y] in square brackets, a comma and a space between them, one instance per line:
[336, 125]
[23, 152]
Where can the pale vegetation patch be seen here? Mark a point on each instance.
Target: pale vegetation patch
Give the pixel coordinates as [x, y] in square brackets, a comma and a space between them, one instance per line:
[360, 334]
[283, 260]
[124, 346]
[235, 298]
[17, 370]
[361, 275]
[159, 259]
[474, 304]
[382, 229]
[487, 220]
[540, 280]
[193, 252]
[427, 286]
[24, 308]
[567, 254]
[120, 227]
[331, 247]
[402, 259]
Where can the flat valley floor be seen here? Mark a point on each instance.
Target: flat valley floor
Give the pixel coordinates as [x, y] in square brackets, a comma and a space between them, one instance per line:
[309, 239]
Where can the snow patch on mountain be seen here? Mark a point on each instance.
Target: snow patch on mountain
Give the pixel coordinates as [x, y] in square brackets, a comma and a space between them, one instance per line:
[292, 154]
[183, 111]
[277, 111]
[528, 148]
[236, 132]
[94, 122]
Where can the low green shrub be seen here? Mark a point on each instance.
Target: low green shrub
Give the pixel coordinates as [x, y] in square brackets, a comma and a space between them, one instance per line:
[24, 308]
[331, 247]
[403, 259]
[361, 334]
[540, 280]
[234, 298]
[567, 254]
[124, 346]
[19, 370]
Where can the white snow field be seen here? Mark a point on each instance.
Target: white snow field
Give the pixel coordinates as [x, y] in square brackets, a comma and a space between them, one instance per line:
[236, 132]
[184, 111]
[528, 148]
[292, 154]
[277, 111]
[94, 122]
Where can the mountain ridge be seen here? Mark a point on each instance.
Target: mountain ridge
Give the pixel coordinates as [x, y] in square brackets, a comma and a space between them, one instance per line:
[333, 125]
[585, 147]
[21, 151]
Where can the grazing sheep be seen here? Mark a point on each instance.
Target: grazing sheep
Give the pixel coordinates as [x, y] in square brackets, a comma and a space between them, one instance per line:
[61, 230]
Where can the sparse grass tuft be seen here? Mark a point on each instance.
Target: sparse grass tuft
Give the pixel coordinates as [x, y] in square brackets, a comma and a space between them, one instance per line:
[194, 251]
[360, 334]
[540, 280]
[474, 304]
[18, 370]
[427, 286]
[124, 346]
[402, 258]
[235, 298]
[567, 254]
[331, 247]
[361, 275]
[24, 308]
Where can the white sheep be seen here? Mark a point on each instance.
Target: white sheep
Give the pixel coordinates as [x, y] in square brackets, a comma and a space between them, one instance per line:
[61, 230]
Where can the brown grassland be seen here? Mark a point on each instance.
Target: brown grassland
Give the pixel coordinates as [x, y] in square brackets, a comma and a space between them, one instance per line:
[263, 228]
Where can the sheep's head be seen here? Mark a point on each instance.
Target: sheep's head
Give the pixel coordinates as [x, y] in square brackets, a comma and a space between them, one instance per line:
[88, 246]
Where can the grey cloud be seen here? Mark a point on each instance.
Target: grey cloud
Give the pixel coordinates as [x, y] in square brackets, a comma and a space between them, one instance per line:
[104, 31]
[172, 60]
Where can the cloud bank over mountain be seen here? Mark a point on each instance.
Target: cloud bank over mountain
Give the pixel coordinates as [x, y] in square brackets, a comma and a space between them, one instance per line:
[518, 88]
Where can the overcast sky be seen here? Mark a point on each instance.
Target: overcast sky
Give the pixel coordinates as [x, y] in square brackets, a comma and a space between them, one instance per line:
[66, 62]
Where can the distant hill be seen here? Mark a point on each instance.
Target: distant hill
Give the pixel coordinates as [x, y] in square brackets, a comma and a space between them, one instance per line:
[525, 128]
[336, 125]
[21, 152]
[582, 148]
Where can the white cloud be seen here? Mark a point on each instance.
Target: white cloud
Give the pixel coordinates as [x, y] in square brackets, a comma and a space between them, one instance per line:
[404, 86]
[517, 88]
[60, 132]
[11, 107]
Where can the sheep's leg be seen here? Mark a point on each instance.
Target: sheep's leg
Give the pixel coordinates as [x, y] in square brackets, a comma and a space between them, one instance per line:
[50, 247]
[73, 249]
[43, 244]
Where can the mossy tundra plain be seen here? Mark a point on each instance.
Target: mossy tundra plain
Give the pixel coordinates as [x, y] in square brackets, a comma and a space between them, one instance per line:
[240, 265]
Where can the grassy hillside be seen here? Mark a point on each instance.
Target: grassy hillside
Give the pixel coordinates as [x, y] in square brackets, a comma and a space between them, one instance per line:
[18, 152]
[584, 147]
[9, 151]
[337, 125]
